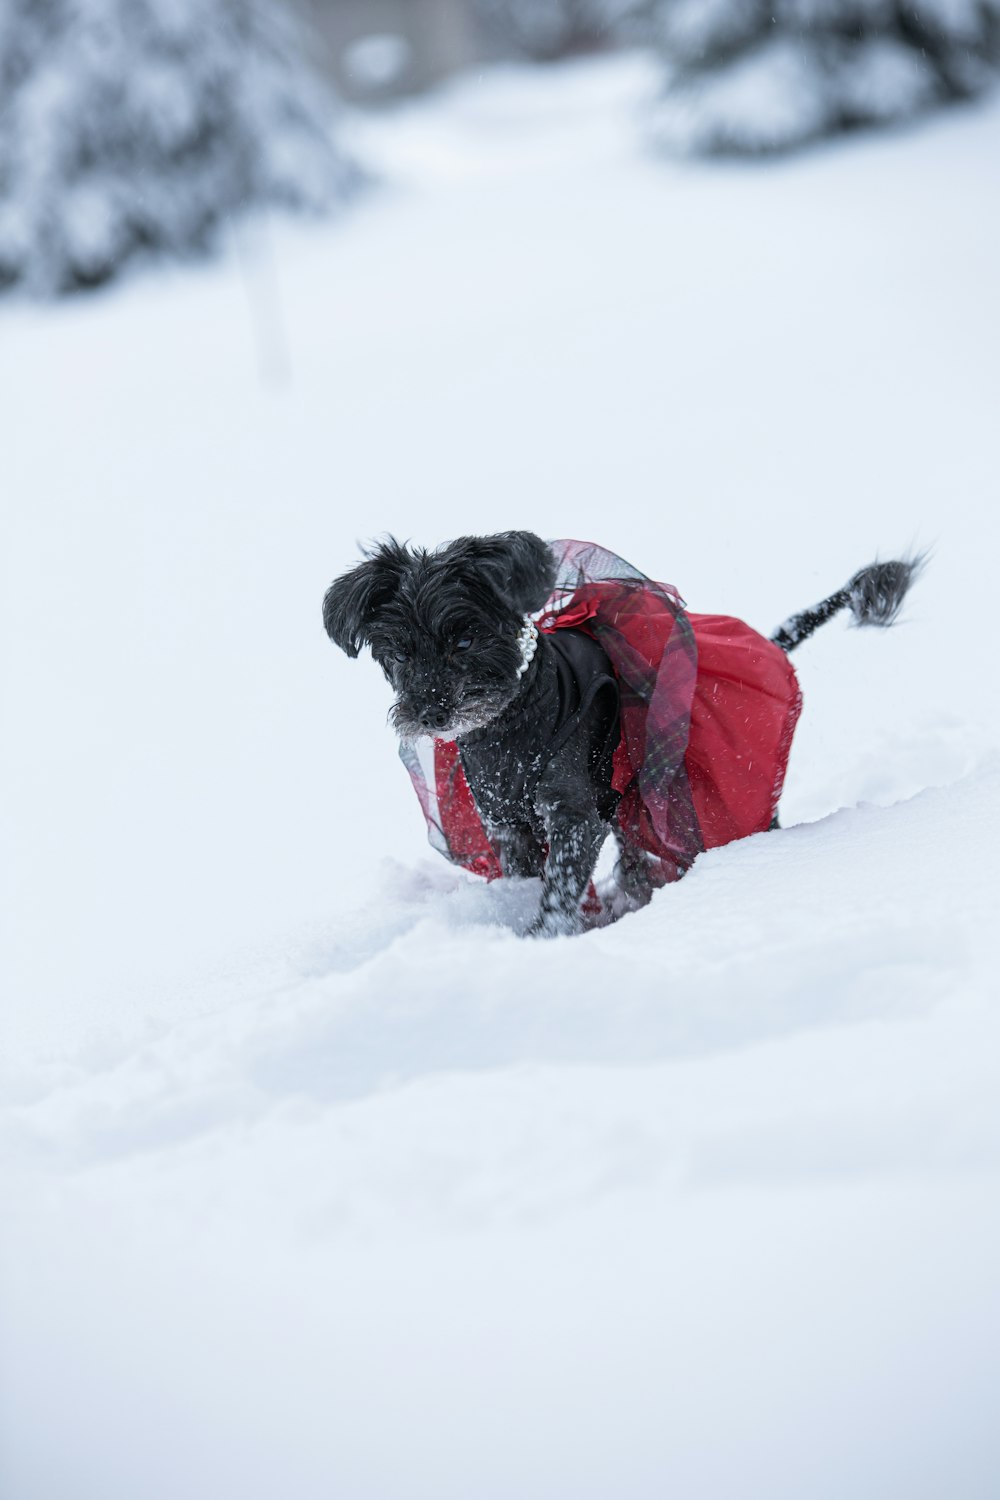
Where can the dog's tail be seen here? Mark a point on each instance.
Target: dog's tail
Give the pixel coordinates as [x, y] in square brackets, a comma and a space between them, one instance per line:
[874, 597]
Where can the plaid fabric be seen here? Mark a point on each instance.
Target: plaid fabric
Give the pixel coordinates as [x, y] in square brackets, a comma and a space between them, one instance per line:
[703, 746]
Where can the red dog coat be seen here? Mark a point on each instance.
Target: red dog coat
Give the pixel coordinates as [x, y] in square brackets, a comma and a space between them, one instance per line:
[707, 712]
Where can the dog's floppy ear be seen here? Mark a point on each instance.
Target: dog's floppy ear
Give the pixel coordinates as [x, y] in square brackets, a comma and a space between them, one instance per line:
[518, 565]
[354, 600]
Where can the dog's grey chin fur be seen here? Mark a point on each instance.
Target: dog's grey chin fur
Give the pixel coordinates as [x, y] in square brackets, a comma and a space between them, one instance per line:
[486, 712]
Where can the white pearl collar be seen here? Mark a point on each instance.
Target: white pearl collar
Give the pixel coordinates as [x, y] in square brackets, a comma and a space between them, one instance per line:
[527, 640]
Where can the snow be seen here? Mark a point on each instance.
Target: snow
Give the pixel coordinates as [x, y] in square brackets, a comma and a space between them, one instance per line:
[319, 1180]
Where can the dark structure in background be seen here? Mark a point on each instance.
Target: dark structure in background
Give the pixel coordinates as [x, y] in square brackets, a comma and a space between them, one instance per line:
[547, 29]
[379, 50]
[139, 128]
[757, 76]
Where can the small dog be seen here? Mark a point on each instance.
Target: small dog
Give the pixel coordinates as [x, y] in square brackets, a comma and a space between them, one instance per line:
[543, 727]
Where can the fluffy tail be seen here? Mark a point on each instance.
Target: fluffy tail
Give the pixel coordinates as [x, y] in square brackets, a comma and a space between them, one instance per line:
[874, 597]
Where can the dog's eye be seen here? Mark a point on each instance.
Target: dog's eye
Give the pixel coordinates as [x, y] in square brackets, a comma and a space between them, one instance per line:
[464, 643]
[399, 656]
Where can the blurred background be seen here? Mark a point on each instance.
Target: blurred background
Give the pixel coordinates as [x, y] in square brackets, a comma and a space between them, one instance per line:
[131, 128]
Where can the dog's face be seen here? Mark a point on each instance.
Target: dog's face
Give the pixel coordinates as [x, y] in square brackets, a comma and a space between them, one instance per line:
[443, 625]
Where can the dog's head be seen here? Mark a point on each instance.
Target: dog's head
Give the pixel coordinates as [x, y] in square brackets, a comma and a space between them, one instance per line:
[444, 625]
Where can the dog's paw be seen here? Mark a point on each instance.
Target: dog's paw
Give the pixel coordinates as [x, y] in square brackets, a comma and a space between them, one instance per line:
[550, 924]
[617, 902]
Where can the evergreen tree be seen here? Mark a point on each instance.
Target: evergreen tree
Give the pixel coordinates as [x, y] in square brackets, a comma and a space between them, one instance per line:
[136, 127]
[753, 76]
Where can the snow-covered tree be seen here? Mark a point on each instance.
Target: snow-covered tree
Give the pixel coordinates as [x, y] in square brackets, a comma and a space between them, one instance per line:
[136, 127]
[753, 76]
[547, 29]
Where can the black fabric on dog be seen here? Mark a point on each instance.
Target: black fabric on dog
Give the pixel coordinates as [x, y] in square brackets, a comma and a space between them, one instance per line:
[570, 678]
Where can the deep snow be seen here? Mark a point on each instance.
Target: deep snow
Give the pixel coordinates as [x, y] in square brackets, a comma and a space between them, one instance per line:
[319, 1181]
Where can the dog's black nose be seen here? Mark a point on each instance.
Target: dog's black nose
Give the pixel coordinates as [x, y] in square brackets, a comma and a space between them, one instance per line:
[435, 718]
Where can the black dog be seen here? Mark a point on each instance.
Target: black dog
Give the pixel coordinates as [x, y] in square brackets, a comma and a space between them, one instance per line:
[535, 717]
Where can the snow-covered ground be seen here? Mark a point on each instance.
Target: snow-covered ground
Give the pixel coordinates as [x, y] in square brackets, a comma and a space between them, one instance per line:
[318, 1181]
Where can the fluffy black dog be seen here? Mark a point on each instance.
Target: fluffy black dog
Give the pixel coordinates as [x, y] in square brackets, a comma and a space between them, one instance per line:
[535, 717]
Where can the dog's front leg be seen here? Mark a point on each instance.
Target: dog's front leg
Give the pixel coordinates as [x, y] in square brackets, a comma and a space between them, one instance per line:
[519, 851]
[632, 875]
[575, 833]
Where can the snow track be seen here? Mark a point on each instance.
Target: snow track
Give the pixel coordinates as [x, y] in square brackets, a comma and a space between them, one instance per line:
[832, 924]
